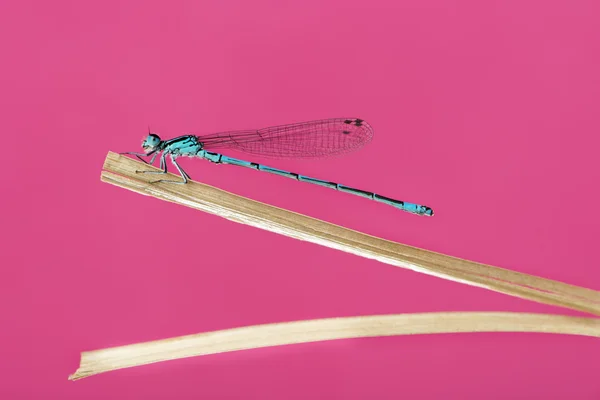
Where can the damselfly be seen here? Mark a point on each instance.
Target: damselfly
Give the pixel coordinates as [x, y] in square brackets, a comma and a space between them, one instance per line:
[311, 139]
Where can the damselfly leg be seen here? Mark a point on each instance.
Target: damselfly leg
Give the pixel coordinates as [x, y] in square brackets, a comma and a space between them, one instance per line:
[184, 174]
[163, 166]
[140, 155]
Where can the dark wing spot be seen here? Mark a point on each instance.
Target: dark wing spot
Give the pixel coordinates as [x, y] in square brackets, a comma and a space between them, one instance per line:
[358, 122]
[348, 121]
[345, 132]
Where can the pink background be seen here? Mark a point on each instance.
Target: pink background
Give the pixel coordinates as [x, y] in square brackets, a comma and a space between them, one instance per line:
[487, 111]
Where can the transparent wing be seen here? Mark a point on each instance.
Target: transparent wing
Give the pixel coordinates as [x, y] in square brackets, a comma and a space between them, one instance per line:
[311, 139]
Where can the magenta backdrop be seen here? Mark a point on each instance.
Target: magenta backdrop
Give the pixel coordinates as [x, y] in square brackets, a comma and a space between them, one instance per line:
[487, 111]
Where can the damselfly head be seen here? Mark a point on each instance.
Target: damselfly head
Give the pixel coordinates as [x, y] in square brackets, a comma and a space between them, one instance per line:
[151, 142]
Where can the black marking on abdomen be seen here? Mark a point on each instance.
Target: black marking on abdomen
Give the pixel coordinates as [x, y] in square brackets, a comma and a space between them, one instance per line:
[357, 192]
[389, 200]
[315, 181]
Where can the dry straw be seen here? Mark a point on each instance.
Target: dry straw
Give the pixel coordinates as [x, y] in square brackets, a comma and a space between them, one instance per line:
[120, 171]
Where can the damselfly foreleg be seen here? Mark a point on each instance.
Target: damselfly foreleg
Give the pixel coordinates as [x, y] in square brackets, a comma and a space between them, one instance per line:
[140, 155]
